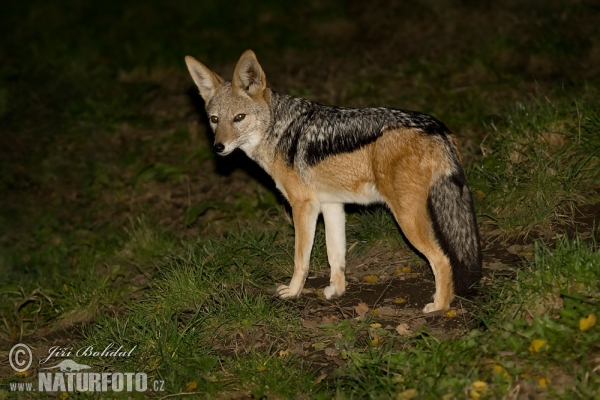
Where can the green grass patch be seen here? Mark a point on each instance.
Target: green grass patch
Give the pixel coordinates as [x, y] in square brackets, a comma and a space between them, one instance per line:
[538, 165]
[205, 326]
[522, 346]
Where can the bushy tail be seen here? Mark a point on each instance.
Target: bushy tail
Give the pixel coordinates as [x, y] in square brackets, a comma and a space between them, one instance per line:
[451, 211]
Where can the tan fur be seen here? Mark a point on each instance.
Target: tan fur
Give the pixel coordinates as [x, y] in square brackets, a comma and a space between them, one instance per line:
[305, 210]
[401, 167]
[347, 175]
[406, 166]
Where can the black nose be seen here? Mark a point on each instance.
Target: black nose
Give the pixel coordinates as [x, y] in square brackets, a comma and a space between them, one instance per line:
[219, 147]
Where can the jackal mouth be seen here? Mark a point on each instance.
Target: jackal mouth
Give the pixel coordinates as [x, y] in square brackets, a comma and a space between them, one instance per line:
[223, 150]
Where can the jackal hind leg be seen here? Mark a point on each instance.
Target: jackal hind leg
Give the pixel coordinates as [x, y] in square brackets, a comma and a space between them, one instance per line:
[335, 238]
[409, 206]
[410, 210]
[305, 215]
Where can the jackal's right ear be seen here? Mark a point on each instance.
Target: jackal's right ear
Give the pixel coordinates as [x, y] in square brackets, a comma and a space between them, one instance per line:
[207, 81]
[249, 75]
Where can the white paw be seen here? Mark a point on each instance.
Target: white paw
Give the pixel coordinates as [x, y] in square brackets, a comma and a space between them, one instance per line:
[429, 308]
[330, 292]
[285, 292]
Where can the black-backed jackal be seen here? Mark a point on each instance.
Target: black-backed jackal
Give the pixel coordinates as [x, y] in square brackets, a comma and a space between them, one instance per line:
[322, 157]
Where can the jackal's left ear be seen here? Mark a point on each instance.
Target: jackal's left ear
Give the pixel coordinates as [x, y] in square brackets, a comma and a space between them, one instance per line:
[248, 74]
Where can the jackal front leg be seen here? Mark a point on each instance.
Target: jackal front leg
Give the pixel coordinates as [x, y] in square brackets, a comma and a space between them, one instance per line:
[335, 238]
[305, 220]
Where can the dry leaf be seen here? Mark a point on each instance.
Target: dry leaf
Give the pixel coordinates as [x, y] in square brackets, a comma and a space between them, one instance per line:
[284, 353]
[370, 278]
[320, 378]
[450, 314]
[332, 352]
[386, 311]
[538, 345]
[309, 324]
[478, 388]
[479, 193]
[587, 322]
[544, 382]
[319, 346]
[403, 329]
[408, 394]
[499, 370]
[330, 320]
[361, 309]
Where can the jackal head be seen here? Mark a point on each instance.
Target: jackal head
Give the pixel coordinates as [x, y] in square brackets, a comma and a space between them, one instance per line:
[238, 111]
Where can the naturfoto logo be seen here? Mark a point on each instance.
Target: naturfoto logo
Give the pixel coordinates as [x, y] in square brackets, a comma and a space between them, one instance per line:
[68, 375]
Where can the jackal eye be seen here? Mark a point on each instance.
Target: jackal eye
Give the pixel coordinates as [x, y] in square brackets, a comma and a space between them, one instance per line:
[214, 119]
[239, 117]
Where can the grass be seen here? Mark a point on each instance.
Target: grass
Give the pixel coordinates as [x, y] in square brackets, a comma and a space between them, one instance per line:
[537, 164]
[500, 354]
[118, 224]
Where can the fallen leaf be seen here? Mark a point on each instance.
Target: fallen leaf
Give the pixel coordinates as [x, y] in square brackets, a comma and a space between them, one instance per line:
[408, 394]
[330, 320]
[478, 388]
[370, 278]
[331, 352]
[361, 309]
[386, 311]
[319, 294]
[320, 378]
[544, 382]
[399, 300]
[309, 324]
[479, 193]
[193, 385]
[586, 323]
[538, 345]
[403, 270]
[377, 341]
[284, 353]
[261, 368]
[319, 346]
[450, 314]
[499, 370]
[403, 329]
[375, 325]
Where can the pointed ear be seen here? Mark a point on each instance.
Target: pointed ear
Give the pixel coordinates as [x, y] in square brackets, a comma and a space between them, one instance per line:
[248, 74]
[207, 81]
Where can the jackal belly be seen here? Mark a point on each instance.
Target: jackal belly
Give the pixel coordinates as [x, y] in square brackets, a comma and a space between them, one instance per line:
[345, 178]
